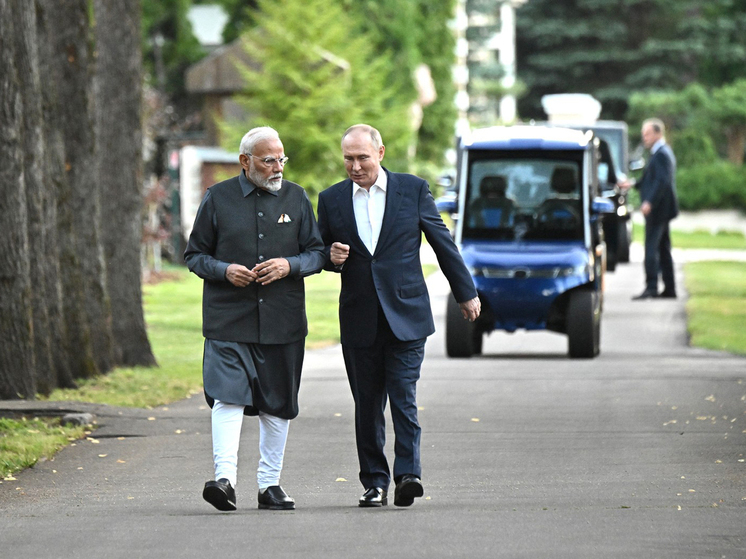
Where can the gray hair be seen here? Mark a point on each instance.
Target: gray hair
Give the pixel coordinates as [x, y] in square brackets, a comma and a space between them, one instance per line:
[656, 124]
[256, 135]
[375, 135]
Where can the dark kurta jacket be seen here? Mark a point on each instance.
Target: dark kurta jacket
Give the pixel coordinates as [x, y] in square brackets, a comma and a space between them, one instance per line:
[240, 223]
[392, 275]
[658, 186]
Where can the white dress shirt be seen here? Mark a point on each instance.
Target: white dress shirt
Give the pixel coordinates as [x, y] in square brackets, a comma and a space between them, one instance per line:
[369, 206]
[658, 145]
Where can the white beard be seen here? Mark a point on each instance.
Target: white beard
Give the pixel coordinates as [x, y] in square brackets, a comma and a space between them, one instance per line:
[272, 184]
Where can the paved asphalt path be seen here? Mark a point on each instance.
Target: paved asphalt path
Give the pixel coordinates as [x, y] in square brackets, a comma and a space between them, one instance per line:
[526, 453]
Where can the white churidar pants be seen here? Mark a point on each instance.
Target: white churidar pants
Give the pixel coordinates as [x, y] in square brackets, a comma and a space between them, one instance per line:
[227, 420]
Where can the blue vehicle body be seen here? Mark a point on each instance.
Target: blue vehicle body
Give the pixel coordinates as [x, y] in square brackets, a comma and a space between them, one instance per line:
[529, 229]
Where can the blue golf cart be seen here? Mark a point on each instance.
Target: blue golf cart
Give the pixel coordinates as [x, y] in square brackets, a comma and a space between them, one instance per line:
[529, 226]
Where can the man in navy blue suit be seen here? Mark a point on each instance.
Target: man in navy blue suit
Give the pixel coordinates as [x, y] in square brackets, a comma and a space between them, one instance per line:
[372, 225]
[659, 205]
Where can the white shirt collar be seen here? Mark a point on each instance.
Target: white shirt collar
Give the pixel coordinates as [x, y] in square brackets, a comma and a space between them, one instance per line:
[381, 182]
[658, 145]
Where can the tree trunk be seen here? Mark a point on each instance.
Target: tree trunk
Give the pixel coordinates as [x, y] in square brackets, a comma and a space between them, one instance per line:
[36, 200]
[86, 305]
[55, 186]
[16, 305]
[118, 91]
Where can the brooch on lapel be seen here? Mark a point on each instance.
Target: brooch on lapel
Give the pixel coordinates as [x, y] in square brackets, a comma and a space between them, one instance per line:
[284, 218]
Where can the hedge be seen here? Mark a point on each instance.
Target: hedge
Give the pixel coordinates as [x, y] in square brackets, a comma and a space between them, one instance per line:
[717, 186]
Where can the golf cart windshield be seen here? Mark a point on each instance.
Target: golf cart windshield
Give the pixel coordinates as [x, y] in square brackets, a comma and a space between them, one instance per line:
[524, 195]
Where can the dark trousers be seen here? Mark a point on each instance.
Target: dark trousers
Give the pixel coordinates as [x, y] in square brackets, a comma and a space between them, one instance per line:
[389, 368]
[658, 259]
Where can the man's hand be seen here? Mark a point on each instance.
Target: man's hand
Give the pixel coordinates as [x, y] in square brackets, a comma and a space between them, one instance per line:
[646, 208]
[626, 184]
[339, 253]
[271, 270]
[471, 309]
[240, 276]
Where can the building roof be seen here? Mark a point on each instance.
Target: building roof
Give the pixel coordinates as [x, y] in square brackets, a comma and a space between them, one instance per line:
[218, 72]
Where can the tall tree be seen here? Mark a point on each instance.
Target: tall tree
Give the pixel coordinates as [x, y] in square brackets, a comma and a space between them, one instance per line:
[119, 139]
[33, 145]
[168, 44]
[17, 362]
[315, 77]
[86, 303]
[54, 314]
[717, 29]
[607, 49]
[53, 188]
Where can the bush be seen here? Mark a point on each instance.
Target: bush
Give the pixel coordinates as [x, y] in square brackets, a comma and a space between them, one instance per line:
[720, 185]
[692, 147]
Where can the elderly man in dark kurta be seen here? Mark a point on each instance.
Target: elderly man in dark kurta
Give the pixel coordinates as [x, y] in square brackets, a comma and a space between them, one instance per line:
[254, 239]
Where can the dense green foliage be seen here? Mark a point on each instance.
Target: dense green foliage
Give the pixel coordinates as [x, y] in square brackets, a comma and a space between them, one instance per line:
[310, 89]
[165, 64]
[719, 185]
[614, 49]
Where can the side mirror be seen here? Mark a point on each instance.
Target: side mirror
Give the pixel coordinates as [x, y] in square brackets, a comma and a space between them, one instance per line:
[446, 181]
[603, 206]
[447, 204]
[636, 164]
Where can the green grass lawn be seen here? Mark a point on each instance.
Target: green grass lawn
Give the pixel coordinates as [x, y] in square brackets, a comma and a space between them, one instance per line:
[733, 240]
[716, 308]
[23, 442]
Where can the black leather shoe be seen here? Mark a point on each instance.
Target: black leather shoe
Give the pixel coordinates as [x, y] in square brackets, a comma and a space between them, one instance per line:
[408, 488]
[274, 498]
[220, 494]
[647, 294]
[666, 294]
[374, 497]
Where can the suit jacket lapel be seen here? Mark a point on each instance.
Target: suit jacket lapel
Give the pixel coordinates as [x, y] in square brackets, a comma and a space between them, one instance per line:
[393, 200]
[344, 199]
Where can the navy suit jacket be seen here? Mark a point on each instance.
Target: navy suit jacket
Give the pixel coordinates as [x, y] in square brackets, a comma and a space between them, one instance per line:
[392, 275]
[658, 186]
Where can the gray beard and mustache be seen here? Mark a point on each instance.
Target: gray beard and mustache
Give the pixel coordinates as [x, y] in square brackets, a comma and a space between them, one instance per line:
[273, 183]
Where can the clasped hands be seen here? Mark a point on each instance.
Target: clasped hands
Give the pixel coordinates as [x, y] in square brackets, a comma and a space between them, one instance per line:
[263, 273]
[469, 309]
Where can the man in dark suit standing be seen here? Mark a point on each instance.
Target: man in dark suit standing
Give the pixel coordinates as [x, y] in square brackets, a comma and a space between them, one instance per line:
[254, 240]
[659, 206]
[372, 225]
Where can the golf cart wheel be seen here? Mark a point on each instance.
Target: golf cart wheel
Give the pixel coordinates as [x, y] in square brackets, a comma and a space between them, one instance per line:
[611, 260]
[625, 238]
[583, 324]
[461, 335]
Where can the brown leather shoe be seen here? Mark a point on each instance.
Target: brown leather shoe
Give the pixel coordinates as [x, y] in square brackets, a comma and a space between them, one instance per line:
[374, 497]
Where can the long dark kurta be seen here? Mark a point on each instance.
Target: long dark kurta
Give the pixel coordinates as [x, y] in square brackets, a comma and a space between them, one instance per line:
[240, 223]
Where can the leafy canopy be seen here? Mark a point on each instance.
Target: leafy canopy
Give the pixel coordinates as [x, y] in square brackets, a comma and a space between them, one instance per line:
[313, 78]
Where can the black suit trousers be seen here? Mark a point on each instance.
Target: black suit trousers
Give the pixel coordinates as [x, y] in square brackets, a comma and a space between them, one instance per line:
[658, 259]
[389, 369]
